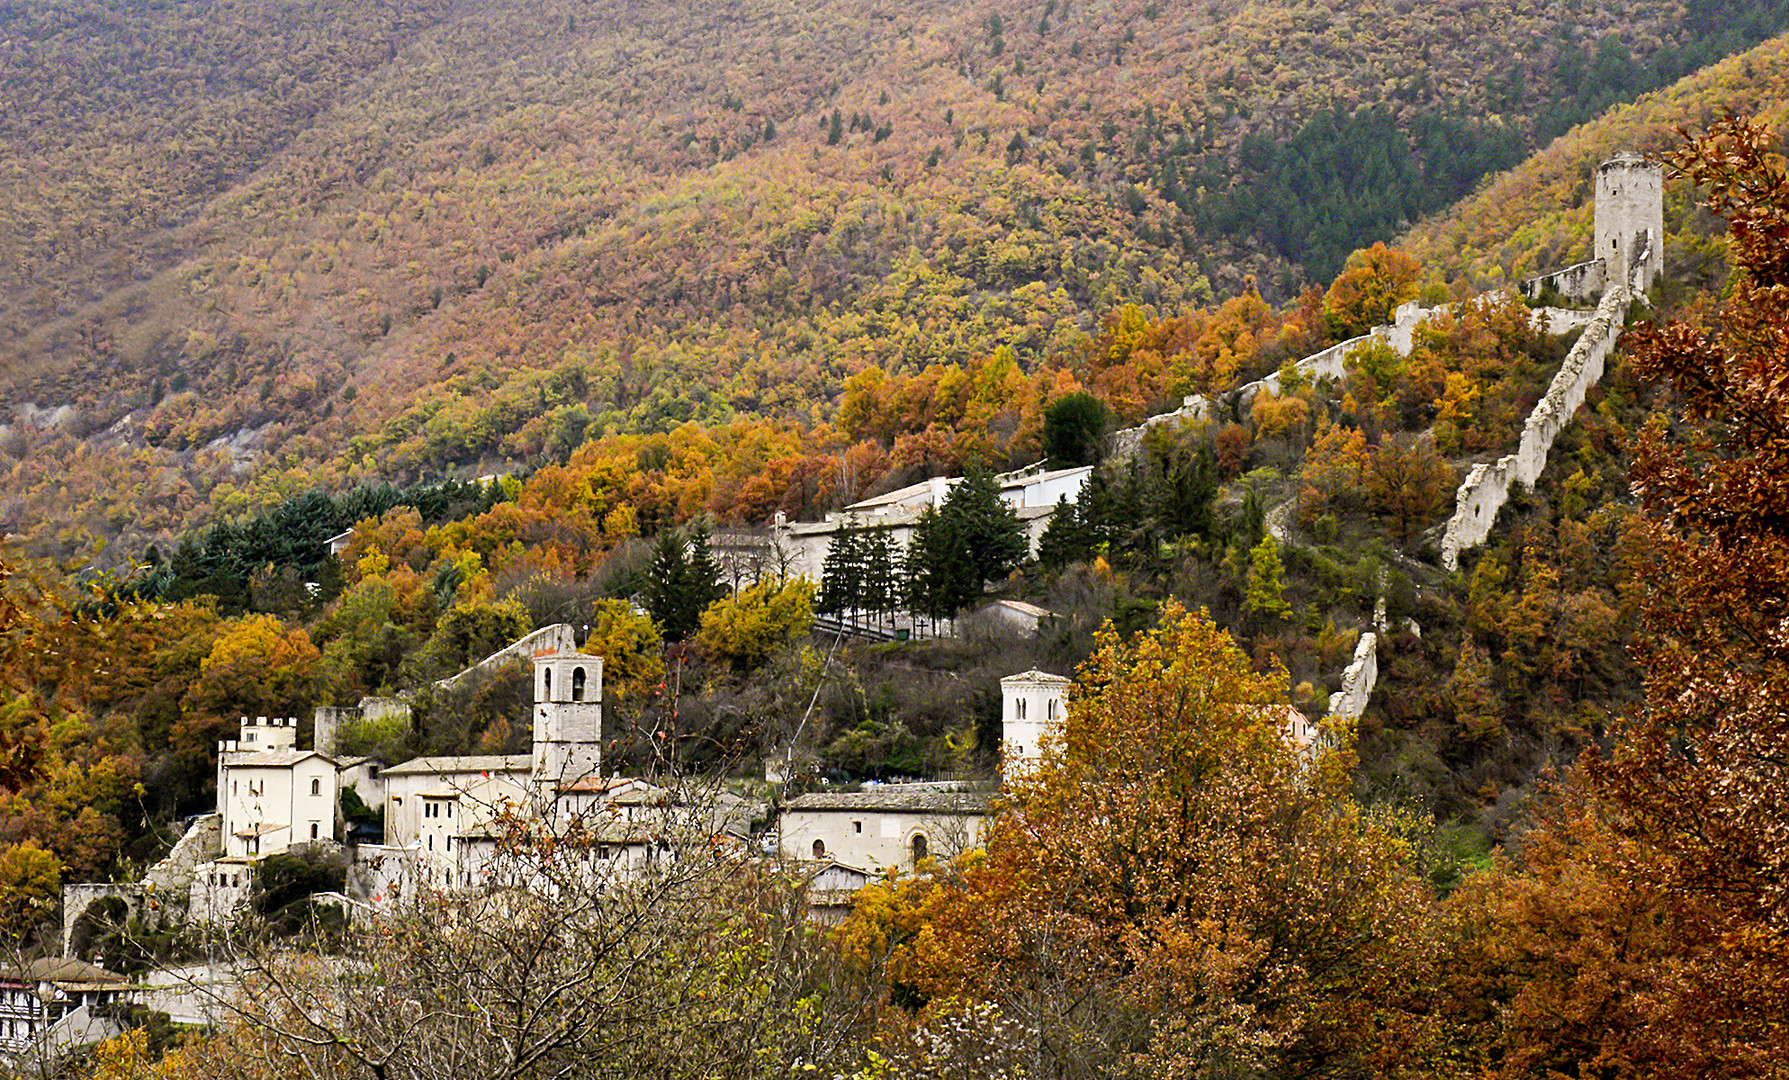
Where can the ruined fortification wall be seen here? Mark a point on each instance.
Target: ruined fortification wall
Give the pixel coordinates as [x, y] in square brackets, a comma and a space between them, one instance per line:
[76, 899]
[1358, 680]
[167, 880]
[203, 842]
[1487, 486]
[558, 638]
[1583, 282]
[1331, 363]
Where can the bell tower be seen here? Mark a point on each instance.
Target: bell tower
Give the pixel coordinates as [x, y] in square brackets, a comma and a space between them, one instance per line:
[568, 716]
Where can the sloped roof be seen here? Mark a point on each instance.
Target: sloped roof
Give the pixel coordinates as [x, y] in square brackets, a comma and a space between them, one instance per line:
[896, 798]
[474, 763]
[1037, 676]
[1022, 479]
[270, 759]
[55, 969]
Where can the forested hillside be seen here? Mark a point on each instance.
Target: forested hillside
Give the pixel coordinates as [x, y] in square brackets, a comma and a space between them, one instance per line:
[376, 244]
[539, 300]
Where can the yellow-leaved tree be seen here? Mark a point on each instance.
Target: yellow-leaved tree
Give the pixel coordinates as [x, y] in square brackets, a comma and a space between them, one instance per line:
[1176, 889]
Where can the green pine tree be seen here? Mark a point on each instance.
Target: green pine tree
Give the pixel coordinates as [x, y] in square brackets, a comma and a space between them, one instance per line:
[1265, 592]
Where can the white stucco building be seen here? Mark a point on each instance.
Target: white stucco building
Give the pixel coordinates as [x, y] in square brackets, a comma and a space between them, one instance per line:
[407, 785]
[49, 1007]
[271, 797]
[271, 794]
[1032, 492]
[1031, 704]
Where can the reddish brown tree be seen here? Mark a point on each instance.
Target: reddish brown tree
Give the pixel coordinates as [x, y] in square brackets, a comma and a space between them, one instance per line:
[1703, 772]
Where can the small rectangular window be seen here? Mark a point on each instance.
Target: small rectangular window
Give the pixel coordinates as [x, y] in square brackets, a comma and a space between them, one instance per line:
[857, 826]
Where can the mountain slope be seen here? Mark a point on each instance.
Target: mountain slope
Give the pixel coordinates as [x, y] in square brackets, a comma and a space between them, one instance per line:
[340, 257]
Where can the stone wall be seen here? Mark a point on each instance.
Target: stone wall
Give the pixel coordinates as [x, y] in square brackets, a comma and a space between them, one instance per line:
[1487, 486]
[1583, 282]
[1358, 680]
[76, 899]
[558, 638]
[202, 843]
[1330, 363]
[168, 881]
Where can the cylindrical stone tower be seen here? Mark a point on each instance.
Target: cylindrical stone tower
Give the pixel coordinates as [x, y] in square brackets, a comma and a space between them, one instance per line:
[1630, 215]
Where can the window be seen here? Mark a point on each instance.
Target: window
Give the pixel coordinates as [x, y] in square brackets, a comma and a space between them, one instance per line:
[919, 847]
[450, 809]
[313, 825]
[577, 684]
[819, 849]
[857, 826]
[1019, 709]
[431, 842]
[316, 786]
[546, 685]
[1050, 712]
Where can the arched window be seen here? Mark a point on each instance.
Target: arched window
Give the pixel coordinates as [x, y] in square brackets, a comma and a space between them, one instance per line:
[546, 685]
[919, 847]
[819, 849]
[1019, 709]
[577, 684]
[316, 786]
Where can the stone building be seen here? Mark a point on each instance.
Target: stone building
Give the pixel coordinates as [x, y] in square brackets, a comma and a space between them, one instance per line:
[1630, 218]
[890, 827]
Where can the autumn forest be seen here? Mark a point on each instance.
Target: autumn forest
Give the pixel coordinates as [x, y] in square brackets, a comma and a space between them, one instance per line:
[535, 309]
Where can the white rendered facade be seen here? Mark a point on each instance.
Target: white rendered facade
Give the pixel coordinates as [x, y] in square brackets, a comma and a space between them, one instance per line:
[1031, 703]
[406, 784]
[272, 795]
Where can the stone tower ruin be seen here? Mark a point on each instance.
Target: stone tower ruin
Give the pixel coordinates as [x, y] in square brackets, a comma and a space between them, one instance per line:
[1630, 216]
